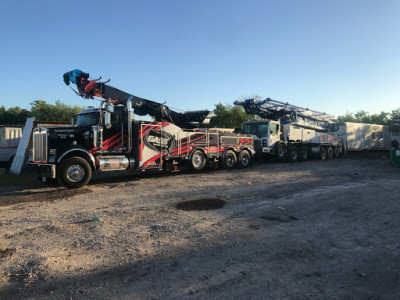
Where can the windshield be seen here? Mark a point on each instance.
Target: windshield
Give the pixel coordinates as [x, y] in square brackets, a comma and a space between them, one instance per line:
[88, 119]
[259, 129]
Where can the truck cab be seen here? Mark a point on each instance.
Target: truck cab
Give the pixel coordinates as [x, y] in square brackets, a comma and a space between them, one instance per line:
[98, 133]
[266, 134]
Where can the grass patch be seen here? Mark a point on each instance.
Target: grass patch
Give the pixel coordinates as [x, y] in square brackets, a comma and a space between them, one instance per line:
[22, 179]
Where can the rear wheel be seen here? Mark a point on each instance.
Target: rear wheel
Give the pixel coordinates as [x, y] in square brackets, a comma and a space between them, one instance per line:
[304, 154]
[197, 161]
[74, 173]
[329, 153]
[229, 160]
[244, 159]
[293, 154]
[322, 153]
[336, 152]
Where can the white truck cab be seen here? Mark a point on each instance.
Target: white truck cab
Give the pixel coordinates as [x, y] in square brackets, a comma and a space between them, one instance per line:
[266, 134]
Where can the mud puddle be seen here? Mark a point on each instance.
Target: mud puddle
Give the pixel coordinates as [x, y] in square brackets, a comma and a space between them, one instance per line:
[201, 204]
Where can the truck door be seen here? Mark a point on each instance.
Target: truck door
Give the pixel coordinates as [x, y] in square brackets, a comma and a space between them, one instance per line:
[114, 137]
[273, 133]
[153, 145]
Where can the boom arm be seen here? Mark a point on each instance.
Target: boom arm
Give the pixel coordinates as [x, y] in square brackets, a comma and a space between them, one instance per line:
[162, 113]
[288, 114]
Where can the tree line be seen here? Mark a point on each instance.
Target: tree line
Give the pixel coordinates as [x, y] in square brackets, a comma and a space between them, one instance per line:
[41, 110]
[362, 116]
[225, 115]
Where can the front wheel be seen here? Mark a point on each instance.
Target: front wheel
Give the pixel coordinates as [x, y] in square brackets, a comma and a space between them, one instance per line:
[304, 153]
[336, 152]
[322, 153]
[293, 154]
[244, 159]
[74, 173]
[329, 153]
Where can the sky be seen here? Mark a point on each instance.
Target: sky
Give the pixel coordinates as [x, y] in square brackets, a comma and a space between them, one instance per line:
[331, 56]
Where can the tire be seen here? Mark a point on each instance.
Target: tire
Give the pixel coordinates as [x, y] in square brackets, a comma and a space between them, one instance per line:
[74, 173]
[244, 159]
[322, 153]
[304, 154]
[197, 161]
[229, 161]
[329, 153]
[280, 152]
[336, 152]
[293, 154]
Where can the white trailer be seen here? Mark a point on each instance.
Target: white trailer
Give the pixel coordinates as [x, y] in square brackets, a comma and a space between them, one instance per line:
[360, 136]
[10, 135]
[9, 140]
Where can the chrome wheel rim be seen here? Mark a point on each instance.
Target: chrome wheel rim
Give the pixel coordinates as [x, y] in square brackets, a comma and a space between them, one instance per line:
[198, 160]
[245, 160]
[75, 173]
[230, 161]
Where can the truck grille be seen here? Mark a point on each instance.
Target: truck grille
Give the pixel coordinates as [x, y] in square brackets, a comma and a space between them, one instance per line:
[40, 144]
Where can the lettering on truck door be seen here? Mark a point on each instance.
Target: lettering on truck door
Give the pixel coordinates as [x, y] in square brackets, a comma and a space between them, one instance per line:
[151, 145]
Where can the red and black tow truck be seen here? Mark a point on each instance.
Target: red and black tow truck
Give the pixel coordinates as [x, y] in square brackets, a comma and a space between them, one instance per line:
[108, 138]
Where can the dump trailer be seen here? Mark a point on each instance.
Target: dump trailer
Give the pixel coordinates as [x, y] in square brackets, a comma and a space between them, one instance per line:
[108, 139]
[290, 132]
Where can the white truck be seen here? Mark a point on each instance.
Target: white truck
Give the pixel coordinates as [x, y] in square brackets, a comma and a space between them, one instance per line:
[290, 132]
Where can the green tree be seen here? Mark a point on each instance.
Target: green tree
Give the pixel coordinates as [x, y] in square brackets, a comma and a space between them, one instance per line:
[2, 113]
[229, 116]
[362, 116]
[58, 112]
[348, 117]
[13, 115]
[395, 114]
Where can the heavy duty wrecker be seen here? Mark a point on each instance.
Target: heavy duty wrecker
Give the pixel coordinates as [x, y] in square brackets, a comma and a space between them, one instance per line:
[107, 138]
[290, 132]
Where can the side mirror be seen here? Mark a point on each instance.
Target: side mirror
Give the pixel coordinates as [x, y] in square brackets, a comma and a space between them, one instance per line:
[107, 119]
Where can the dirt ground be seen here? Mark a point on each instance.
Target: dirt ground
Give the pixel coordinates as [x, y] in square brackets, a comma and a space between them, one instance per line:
[312, 230]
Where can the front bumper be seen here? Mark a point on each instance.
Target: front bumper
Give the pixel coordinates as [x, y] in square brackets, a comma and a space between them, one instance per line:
[42, 170]
[269, 150]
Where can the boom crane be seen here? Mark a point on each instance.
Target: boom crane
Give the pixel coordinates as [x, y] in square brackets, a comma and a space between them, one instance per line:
[289, 114]
[290, 131]
[94, 88]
